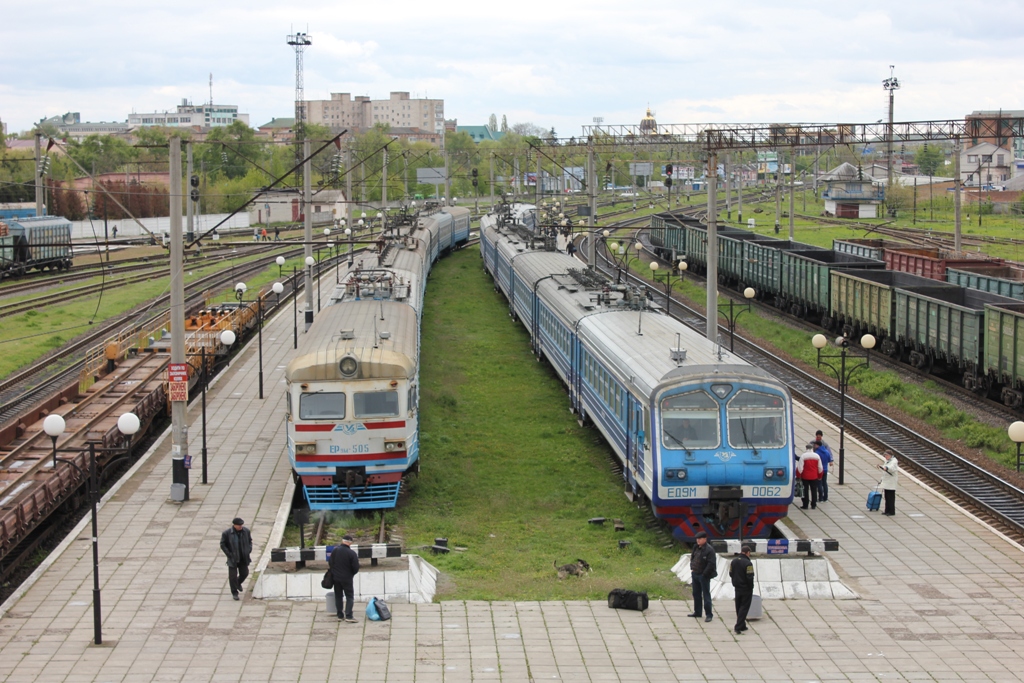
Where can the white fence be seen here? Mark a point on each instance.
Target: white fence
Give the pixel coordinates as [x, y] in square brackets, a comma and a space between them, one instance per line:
[129, 228]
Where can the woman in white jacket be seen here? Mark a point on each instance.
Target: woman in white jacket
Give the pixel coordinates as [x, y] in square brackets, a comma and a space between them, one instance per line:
[890, 473]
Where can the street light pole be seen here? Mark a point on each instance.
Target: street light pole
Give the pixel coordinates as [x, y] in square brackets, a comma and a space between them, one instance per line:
[128, 424]
[295, 305]
[734, 312]
[1016, 432]
[843, 374]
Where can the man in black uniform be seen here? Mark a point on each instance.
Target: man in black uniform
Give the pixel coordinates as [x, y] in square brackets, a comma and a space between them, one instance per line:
[703, 568]
[742, 573]
[236, 543]
[344, 564]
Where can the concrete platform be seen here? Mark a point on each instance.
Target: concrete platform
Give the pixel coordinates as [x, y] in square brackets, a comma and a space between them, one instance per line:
[941, 593]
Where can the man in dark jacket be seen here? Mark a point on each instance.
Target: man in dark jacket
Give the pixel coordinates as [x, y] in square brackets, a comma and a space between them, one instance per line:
[344, 564]
[236, 544]
[742, 573]
[703, 568]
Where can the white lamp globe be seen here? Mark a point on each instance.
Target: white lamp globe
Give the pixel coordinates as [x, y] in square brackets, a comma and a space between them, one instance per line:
[327, 232]
[240, 287]
[310, 261]
[1015, 430]
[749, 293]
[278, 288]
[654, 265]
[348, 232]
[128, 423]
[868, 341]
[279, 260]
[818, 341]
[227, 337]
[682, 265]
[54, 425]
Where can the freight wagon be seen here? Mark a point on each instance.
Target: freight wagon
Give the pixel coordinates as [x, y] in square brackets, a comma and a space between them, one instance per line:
[1004, 351]
[929, 262]
[42, 243]
[1004, 280]
[805, 289]
[869, 248]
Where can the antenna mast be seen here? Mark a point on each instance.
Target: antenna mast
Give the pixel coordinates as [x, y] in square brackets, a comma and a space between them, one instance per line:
[892, 84]
[211, 89]
[300, 41]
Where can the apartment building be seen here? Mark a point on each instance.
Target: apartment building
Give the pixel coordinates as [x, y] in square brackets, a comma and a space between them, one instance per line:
[361, 112]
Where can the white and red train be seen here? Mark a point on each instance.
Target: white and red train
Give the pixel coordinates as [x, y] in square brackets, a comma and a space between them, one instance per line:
[353, 426]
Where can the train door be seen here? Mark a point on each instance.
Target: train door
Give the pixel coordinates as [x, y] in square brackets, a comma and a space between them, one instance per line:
[635, 445]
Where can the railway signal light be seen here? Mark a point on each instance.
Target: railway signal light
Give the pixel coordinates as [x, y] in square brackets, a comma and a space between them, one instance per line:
[475, 174]
[194, 194]
[194, 181]
[668, 175]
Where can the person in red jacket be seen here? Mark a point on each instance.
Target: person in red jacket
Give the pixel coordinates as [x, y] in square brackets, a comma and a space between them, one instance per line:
[809, 469]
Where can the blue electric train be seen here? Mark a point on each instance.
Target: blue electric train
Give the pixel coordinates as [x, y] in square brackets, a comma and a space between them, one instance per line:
[704, 438]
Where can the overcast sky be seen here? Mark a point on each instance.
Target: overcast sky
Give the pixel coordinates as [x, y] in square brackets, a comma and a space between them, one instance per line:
[556, 64]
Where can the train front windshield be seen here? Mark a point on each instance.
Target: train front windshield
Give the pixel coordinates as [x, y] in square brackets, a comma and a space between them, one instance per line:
[756, 420]
[690, 420]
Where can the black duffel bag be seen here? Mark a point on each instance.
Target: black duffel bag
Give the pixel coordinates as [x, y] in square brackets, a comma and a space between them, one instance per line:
[620, 598]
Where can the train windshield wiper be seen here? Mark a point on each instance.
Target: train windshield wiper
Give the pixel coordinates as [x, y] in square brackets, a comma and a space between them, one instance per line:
[679, 441]
[746, 439]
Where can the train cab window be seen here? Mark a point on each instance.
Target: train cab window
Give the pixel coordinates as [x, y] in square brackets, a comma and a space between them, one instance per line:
[322, 406]
[690, 420]
[756, 420]
[376, 403]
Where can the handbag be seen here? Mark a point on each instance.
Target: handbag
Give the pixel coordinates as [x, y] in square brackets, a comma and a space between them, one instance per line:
[328, 580]
[382, 609]
[798, 492]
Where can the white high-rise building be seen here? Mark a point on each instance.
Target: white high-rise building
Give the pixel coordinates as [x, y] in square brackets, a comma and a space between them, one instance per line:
[187, 114]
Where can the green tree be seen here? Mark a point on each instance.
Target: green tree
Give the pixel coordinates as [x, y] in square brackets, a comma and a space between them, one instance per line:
[929, 159]
[102, 153]
[236, 154]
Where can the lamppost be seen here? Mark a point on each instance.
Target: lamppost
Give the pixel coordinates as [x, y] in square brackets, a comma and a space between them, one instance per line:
[310, 262]
[348, 236]
[240, 290]
[843, 373]
[128, 424]
[227, 338]
[295, 307]
[280, 264]
[731, 312]
[1016, 432]
[680, 269]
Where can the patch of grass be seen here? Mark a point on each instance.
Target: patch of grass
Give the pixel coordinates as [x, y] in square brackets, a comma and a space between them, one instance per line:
[507, 473]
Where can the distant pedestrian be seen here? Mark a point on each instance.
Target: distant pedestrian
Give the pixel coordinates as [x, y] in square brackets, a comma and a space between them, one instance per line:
[236, 543]
[255, 234]
[344, 564]
[825, 453]
[809, 469]
[570, 248]
[890, 474]
[263, 235]
[741, 571]
[703, 568]
[114, 232]
[277, 233]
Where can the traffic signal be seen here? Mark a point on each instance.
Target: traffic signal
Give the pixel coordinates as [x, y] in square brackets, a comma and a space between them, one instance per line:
[668, 175]
[475, 174]
[194, 181]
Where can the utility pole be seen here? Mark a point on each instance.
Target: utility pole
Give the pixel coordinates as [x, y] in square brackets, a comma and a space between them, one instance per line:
[956, 195]
[739, 197]
[492, 180]
[728, 192]
[405, 174]
[179, 428]
[384, 181]
[778, 191]
[307, 214]
[537, 189]
[447, 181]
[39, 175]
[189, 229]
[792, 189]
[891, 84]
[712, 250]
[592, 187]
[348, 186]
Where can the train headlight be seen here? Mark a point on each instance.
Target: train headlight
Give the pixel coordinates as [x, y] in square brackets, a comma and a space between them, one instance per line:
[670, 474]
[305, 448]
[780, 473]
[392, 446]
[681, 474]
[348, 366]
[769, 473]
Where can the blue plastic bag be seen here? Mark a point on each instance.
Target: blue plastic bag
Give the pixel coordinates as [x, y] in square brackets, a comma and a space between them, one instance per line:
[371, 610]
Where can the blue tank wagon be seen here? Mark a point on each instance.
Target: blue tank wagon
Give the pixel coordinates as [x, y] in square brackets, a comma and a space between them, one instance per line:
[42, 243]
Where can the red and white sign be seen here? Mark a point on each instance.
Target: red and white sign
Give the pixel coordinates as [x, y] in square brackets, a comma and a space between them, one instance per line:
[178, 391]
[177, 372]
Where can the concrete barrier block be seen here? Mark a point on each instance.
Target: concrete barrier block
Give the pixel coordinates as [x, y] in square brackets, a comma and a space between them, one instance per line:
[841, 592]
[371, 584]
[396, 583]
[794, 590]
[792, 570]
[298, 585]
[271, 587]
[768, 570]
[816, 570]
[771, 590]
[819, 590]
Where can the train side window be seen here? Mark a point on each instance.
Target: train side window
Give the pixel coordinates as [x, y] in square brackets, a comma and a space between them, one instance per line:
[288, 396]
[322, 406]
[376, 403]
[412, 400]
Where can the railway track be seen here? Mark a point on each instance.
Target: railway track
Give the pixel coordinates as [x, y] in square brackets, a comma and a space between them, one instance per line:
[983, 491]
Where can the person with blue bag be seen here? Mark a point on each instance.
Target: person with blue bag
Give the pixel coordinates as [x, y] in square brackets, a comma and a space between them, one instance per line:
[344, 565]
[825, 453]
